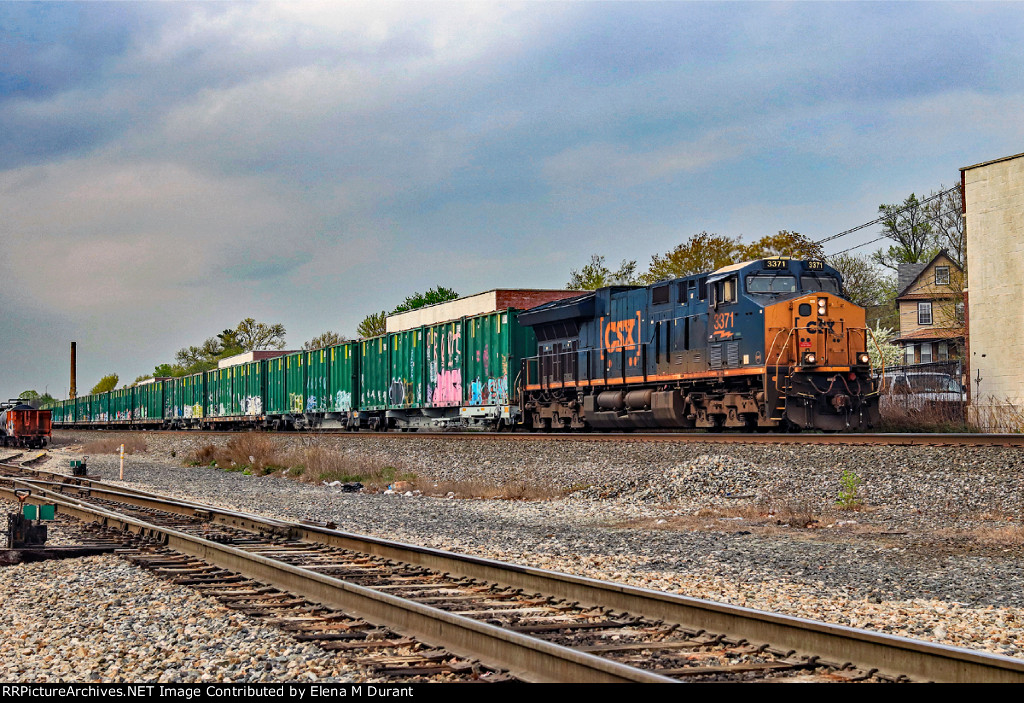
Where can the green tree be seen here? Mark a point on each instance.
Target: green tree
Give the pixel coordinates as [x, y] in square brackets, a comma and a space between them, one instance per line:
[250, 335]
[785, 243]
[946, 214]
[373, 325]
[701, 252]
[107, 383]
[438, 294]
[327, 339]
[596, 275]
[908, 226]
[32, 397]
[863, 282]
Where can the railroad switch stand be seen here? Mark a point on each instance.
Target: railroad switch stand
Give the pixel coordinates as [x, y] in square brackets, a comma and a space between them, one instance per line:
[22, 532]
[78, 467]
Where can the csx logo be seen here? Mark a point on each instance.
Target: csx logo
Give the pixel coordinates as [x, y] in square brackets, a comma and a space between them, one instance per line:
[821, 326]
[619, 334]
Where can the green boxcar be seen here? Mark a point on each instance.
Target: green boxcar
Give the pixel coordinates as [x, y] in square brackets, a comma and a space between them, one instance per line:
[149, 402]
[318, 368]
[342, 378]
[224, 392]
[444, 345]
[373, 374]
[193, 394]
[255, 388]
[121, 404]
[99, 407]
[172, 398]
[407, 377]
[277, 389]
[495, 347]
[211, 381]
[239, 389]
[295, 382]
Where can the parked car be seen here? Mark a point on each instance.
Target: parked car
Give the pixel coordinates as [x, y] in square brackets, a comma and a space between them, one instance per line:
[920, 391]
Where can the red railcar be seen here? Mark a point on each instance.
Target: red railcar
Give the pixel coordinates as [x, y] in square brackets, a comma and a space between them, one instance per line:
[24, 426]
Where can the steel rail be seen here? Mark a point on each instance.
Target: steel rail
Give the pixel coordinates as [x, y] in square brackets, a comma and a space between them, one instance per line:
[887, 654]
[526, 657]
[961, 439]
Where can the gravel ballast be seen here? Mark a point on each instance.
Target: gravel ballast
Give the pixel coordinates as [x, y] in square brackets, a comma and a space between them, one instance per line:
[935, 552]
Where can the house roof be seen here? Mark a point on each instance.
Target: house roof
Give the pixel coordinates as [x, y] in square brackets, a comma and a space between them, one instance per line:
[927, 335]
[914, 271]
[928, 296]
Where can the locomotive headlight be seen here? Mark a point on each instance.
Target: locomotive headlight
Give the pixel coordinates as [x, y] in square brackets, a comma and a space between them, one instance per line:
[810, 359]
[822, 305]
[863, 358]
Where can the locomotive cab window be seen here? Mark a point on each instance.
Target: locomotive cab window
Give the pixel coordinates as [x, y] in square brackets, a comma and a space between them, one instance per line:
[823, 282]
[724, 292]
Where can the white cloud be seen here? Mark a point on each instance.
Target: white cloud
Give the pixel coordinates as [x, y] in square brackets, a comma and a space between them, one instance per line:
[605, 166]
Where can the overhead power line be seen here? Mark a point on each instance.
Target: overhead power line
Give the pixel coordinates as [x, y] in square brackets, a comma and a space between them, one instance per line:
[937, 216]
[885, 217]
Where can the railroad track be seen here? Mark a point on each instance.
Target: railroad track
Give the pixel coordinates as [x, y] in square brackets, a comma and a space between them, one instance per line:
[884, 439]
[481, 618]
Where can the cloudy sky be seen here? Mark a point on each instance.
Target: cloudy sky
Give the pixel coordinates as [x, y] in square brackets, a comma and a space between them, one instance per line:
[167, 169]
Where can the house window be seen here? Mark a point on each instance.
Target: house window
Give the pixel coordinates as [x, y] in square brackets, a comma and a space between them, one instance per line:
[926, 353]
[924, 313]
[910, 354]
[959, 312]
[942, 275]
[943, 351]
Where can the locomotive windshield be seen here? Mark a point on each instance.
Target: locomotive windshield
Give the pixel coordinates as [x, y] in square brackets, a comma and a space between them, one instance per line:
[771, 283]
[824, 282]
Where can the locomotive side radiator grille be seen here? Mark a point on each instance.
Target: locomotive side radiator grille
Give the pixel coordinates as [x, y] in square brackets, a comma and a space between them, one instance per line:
[732, 353]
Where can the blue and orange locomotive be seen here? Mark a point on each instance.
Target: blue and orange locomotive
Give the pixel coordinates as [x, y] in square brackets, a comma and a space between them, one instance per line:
[756, 345]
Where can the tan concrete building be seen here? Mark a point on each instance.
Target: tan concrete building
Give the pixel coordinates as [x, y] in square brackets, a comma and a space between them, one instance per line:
[994, 212]
[489, 301]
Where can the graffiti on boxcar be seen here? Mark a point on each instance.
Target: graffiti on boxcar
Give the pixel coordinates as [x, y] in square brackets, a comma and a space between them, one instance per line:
[401, 392]
[343, 401]
[295, 402]
[493, 391]
[311, 406]
[448, 388]
[253, 405]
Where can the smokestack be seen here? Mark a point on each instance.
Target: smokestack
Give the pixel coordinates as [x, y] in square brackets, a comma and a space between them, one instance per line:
[74, 363]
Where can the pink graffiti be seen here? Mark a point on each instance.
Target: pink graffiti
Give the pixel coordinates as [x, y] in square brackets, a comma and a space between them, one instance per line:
[449, 388]
[453, 342]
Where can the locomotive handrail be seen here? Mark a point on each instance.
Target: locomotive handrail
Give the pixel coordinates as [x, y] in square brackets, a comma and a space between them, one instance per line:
[881, 358]
[778, 358]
